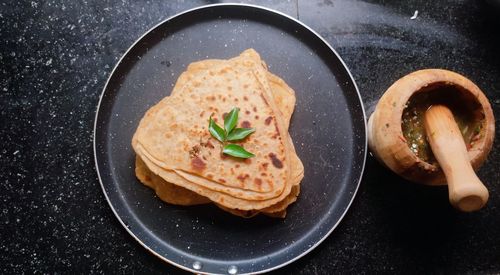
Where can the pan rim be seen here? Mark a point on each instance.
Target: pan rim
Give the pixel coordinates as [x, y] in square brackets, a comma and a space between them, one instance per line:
[258, 7]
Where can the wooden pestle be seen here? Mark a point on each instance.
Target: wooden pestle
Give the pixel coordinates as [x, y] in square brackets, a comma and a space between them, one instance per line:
[466, 191]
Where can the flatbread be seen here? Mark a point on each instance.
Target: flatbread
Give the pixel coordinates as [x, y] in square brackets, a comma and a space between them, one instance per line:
[248, 190]
[167, 191]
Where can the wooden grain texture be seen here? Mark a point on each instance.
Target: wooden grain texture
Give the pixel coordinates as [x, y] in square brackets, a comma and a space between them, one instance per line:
[466, 191]
[385, 136]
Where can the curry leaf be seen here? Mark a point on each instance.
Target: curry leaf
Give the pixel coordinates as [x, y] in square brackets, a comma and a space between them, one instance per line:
[216, 131]
[230, 133]
[231, 119]
[240, 133]
[236, 151]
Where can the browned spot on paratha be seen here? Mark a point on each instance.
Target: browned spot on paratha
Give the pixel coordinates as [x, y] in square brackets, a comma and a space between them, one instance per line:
[276, 162]
[268, 120]
[245, 124]
[198, 164]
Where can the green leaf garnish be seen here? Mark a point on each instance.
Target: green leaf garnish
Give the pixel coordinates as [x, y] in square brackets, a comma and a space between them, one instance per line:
[230, 133]
[236, 151]
[239, 133]
[231, 120]
[216, 131]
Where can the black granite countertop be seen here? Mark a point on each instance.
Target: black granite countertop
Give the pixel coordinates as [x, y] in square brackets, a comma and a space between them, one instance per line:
[55, 58]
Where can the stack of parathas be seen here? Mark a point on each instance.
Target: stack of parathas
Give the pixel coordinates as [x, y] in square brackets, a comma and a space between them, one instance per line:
[183, 163]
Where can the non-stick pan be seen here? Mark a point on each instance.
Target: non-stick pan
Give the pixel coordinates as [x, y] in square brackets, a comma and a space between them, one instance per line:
[328, 130]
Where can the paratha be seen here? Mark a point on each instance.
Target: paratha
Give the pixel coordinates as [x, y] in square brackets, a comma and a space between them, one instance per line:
[173, 142]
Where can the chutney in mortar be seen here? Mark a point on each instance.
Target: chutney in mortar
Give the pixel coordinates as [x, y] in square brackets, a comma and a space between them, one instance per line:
[466, 112]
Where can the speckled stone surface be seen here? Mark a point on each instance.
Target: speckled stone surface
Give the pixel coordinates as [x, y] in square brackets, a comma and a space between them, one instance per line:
[56, 56]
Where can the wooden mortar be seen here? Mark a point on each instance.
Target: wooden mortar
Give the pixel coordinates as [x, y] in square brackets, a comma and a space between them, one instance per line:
[385, 136]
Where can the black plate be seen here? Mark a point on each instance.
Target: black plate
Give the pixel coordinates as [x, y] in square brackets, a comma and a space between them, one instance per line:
[328, 129]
